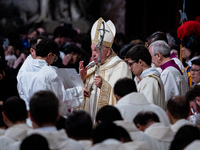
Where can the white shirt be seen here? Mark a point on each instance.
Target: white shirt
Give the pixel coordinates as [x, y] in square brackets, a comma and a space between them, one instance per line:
[43, 77]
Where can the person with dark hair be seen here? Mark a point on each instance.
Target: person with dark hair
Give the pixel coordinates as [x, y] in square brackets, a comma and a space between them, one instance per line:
[149, 123]
[178, 111]
[43, 77]
[124, 50]
[150, 84]
[27, 65]
[193, 97]
[189, 34]
[44, 113]
[34, 142]
[184, 137]
[79, 126]
[107, 135]
[108, 113]
[158, 35]
[14, 116]
[195, 71]
[175, 82]
[144, 119]
[108, 130]
[130, 102]
[123, 87]
[62, 36]
[72, 57]
[176, 50]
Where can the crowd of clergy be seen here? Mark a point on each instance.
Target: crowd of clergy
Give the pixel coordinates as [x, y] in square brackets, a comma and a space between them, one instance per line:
[132, 94]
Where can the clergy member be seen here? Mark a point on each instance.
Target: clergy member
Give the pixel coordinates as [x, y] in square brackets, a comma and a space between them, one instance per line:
[151, 85]
[173, 79]
[111, 68]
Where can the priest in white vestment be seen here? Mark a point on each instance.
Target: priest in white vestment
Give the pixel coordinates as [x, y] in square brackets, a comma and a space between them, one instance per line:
[111, 69]
[150, 84]
[173, 78]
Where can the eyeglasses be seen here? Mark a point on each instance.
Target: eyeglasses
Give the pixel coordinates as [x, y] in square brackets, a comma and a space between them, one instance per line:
[194, 70]
[56, 58]
[130, 64]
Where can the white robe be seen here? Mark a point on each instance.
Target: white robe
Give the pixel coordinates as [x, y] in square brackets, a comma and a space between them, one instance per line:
[112, 70]
[152, 87]
[137, 135]
[14, 134]
[193, 145]
[163, 134]
[133, 103]
[180, 64]
[26, 66]
[58, 140]
[113, 144]
[43, 77]
[174, 82]
[178, 124]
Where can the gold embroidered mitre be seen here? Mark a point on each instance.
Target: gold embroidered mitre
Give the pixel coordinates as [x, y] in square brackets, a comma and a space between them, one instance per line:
[109, 34]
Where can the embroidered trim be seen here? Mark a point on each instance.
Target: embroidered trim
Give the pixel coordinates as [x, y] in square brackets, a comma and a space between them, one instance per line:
[154, 76]
[104, 95]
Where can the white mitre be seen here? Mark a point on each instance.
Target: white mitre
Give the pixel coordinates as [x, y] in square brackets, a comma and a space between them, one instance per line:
[109, 34]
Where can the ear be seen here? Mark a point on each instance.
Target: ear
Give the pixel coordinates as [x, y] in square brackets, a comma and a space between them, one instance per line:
[159, 56]
[108, 52]
[140, 62]
[198, 100]
[140, 127]
[117, 97]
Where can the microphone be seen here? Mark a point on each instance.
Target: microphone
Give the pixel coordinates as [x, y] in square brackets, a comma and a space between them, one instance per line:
[91, 64]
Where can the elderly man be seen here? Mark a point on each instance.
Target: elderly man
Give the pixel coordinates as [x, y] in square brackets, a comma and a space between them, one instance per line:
[173, 79]
[111, 69]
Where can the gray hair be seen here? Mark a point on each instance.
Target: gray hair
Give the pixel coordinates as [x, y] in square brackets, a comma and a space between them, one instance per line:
[161, 47]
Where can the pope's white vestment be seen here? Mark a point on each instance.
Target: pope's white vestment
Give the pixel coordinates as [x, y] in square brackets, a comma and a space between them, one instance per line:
[111, 70]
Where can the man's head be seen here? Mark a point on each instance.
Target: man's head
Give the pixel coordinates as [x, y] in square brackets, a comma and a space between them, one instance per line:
[177, 108]
[33, 42]
[44, 107]
[62, 35]
[158, 35]
[195, 71]
[108, 113]
[96, 36]
[78, 125]
[14, 111]
[123, 87]
[159, 50]
[139, 59]
[144, 119]
[193, 97]
[189, 34]
[48, 50]
[75, 51]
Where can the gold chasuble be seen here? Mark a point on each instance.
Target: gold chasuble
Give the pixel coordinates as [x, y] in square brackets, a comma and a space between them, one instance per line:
[113, 69]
